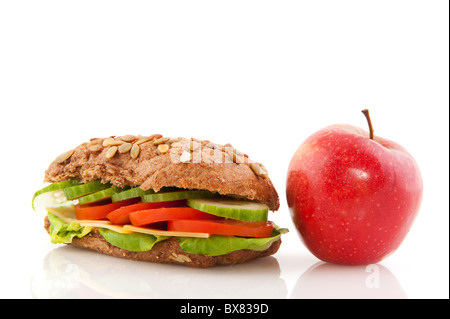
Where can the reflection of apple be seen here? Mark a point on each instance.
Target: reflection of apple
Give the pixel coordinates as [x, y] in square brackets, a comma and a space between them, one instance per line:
[352, 197]
[328, 281]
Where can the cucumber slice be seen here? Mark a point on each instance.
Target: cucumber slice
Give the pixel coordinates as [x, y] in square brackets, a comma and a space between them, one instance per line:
[178, 195]
[100, 195]
[244, 210]
[130, 193]
[55, 197]
[50, 199]
[78, 191]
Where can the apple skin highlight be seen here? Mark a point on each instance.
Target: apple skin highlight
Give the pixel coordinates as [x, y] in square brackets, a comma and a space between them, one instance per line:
[352, 199]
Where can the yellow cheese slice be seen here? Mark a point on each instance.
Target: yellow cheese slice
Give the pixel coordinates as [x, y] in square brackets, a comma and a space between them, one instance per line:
[158, 232]
[104, 224]
[65, 213]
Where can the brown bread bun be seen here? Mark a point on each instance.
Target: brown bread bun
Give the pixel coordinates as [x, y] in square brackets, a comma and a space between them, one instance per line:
[155, 162]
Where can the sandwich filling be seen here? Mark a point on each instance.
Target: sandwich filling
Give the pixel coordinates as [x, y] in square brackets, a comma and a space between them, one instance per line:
[203, 222]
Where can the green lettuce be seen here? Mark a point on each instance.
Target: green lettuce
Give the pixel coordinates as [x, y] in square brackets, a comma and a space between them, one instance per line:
[220, 245]
[131, 242]
[63, 233]
[215, 245]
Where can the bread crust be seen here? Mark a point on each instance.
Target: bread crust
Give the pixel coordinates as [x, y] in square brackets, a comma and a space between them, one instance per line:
[231, 175]
[167, 251]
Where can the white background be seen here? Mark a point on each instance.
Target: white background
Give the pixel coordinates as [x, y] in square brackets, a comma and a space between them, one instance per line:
[261, 75]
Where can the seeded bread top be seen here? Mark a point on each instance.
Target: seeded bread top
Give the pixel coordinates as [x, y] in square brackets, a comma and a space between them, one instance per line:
[153, 162]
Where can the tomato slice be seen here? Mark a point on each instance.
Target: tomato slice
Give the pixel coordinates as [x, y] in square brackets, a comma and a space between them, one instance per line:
[120, 216]
[96, 212]
[223, 227]
[150, 216]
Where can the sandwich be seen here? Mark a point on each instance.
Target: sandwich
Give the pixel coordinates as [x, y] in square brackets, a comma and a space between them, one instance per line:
[167, 200]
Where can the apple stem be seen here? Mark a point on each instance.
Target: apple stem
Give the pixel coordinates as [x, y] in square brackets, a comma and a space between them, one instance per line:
[366, 114]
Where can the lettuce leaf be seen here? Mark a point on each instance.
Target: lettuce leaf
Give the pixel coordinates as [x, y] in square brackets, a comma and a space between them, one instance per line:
[131, 242]
[63, 233]
[219, 245]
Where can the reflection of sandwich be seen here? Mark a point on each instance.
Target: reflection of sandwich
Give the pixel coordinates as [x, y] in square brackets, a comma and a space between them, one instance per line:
[159, 199]
[66, 274]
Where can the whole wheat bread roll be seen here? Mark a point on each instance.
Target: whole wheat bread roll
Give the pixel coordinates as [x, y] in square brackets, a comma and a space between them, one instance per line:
[154, 162]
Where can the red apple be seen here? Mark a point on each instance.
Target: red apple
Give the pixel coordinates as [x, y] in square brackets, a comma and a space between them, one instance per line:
[352, 196]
